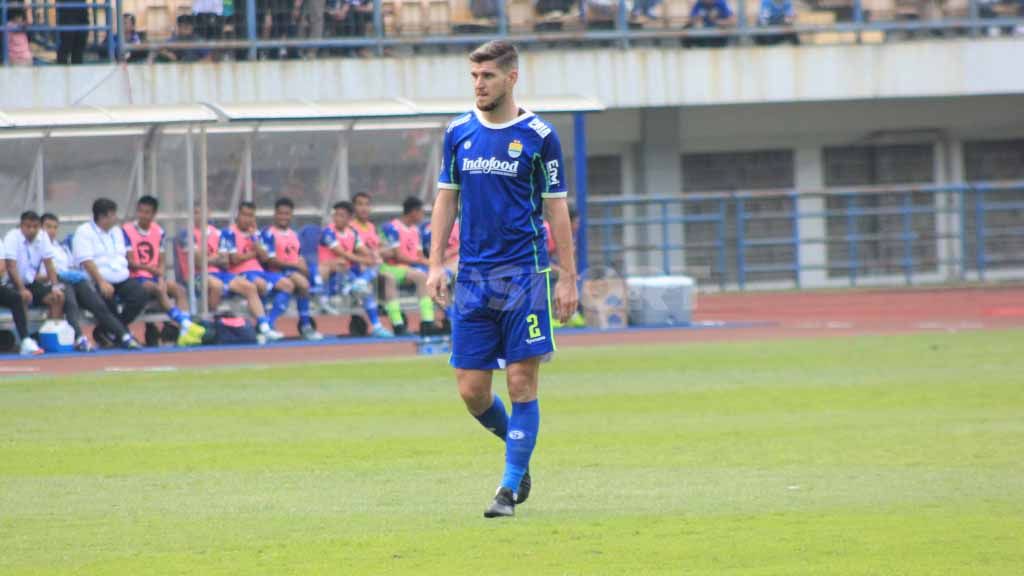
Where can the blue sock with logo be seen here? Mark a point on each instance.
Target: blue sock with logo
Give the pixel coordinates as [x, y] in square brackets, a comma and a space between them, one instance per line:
[279, 307]
[302, 303]
[495, 418]
[370, 305]
[179, 317]
[522, 437]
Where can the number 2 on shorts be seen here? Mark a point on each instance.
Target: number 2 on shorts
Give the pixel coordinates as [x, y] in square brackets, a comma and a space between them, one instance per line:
[533, 322]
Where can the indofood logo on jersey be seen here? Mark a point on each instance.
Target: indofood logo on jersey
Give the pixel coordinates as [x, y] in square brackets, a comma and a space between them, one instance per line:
[490, 166]
[515, 149]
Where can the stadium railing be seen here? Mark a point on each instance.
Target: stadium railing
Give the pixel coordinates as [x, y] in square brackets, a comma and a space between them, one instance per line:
[739, 240]
[439, 24]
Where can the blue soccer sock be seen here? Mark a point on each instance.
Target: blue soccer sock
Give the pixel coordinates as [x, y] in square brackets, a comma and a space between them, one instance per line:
[370, 305]
[302, 303]
[262, 321]
[179, 317]
[495, 418]
[522, 437]
[279, 306]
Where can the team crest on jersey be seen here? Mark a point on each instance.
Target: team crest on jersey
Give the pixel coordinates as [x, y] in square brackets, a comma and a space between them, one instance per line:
[515, 149]
[467, 145]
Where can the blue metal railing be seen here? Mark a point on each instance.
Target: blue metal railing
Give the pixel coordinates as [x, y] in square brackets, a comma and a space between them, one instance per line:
[619, 29]
[905, 234]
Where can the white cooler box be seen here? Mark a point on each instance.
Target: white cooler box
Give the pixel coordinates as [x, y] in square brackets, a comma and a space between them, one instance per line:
[661, 300]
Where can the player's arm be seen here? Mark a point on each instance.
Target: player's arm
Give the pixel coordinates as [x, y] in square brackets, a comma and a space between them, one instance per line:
[361, 255]
[441, 221]
[566, 297]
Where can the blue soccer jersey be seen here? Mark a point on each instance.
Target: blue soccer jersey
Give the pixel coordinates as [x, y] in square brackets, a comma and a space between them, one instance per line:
[503, 172]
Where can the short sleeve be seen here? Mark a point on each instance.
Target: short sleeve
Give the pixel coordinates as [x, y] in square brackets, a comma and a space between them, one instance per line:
[82, 247]
[328, 238]
[127, 239]
[11, 245]
[269, 242]
[46, 245]
[227, 242]
[723, 8]
[449, 177]
[554, 167]
[390, 235]
[695, 11]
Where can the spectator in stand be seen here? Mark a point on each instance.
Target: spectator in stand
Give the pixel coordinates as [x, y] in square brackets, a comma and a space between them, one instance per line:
[278, 22]
[708, 15]
[645, 8]
[19, 52]
[28, 253]
[71, 43]
[546, 7]
[310, 22]
[484, 8]
[131, 37]
[208, 18]
[776, 13]
[349, 18]
[98, 249]
[184, 31]
[11, 299]
[79, 292]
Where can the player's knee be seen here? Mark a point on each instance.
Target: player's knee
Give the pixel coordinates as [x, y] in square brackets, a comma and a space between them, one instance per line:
[522, 383]
[475, 392]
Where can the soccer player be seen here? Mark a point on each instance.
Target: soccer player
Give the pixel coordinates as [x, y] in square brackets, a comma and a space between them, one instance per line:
[244, 249]
[404, 261]
[342, 254]
[220, 283]
[502, 166]
[144, 241]
[283, 257]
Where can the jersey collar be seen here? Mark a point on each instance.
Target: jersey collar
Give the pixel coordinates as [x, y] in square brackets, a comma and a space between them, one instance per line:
[480, 118]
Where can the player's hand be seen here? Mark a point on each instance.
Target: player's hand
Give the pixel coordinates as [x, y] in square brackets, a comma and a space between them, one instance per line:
[437, 285]
[26, 296]
[107, 290]
[566, 297]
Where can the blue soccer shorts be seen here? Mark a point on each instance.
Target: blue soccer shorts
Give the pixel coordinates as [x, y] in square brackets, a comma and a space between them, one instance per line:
[501, 320]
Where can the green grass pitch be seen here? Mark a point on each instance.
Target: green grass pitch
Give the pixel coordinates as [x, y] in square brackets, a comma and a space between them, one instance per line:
[871, 455]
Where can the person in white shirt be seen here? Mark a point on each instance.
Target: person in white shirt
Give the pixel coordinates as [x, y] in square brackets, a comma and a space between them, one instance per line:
[99, 250]
[79, 292]
[29, 253]
[11, 299]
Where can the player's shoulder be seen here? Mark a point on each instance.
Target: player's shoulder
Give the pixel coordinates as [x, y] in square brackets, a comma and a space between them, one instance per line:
[539, 125]
[460, 122]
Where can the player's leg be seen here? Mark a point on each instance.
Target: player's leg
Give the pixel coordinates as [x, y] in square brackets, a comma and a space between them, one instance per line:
[281, 295]
[215, 291]
[306, 328]
[327, 273]
[250, 291]
[54, 301]
[191, 333]
[528, 338]
[393, 277]
[418, 278]
[361, 282]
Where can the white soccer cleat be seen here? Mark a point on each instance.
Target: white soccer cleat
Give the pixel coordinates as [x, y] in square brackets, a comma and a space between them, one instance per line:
[273, 335]
[29, 347]
[310, 333]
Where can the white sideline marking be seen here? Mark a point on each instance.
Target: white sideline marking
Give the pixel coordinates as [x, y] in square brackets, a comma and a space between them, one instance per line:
[18, 369]
[140, 369]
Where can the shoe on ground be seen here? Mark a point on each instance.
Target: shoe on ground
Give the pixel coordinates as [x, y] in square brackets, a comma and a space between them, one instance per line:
[131, 344]
[503, 505]
[577, 321]
[83, 345]
[272, 335]
[382, 332]
[29, 347]
[309, 333]
[524, 488]
[326, 307]
[188, 337]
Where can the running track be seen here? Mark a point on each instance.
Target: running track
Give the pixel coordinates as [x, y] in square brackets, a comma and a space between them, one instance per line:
[720, 317]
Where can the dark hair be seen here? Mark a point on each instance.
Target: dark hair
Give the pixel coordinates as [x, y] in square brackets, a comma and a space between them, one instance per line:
[103, 206]
[49, 216]
[284, 202]
[150, 201]
[411, 205]
[504, 54]
[245, 204]
[360, 195]
[186, 20]
[29, 216]
[15, 13]
[129, 16]
[344, 205]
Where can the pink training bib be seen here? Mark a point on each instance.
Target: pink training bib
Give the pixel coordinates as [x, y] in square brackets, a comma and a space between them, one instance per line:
[245, 243]
[145, 246]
